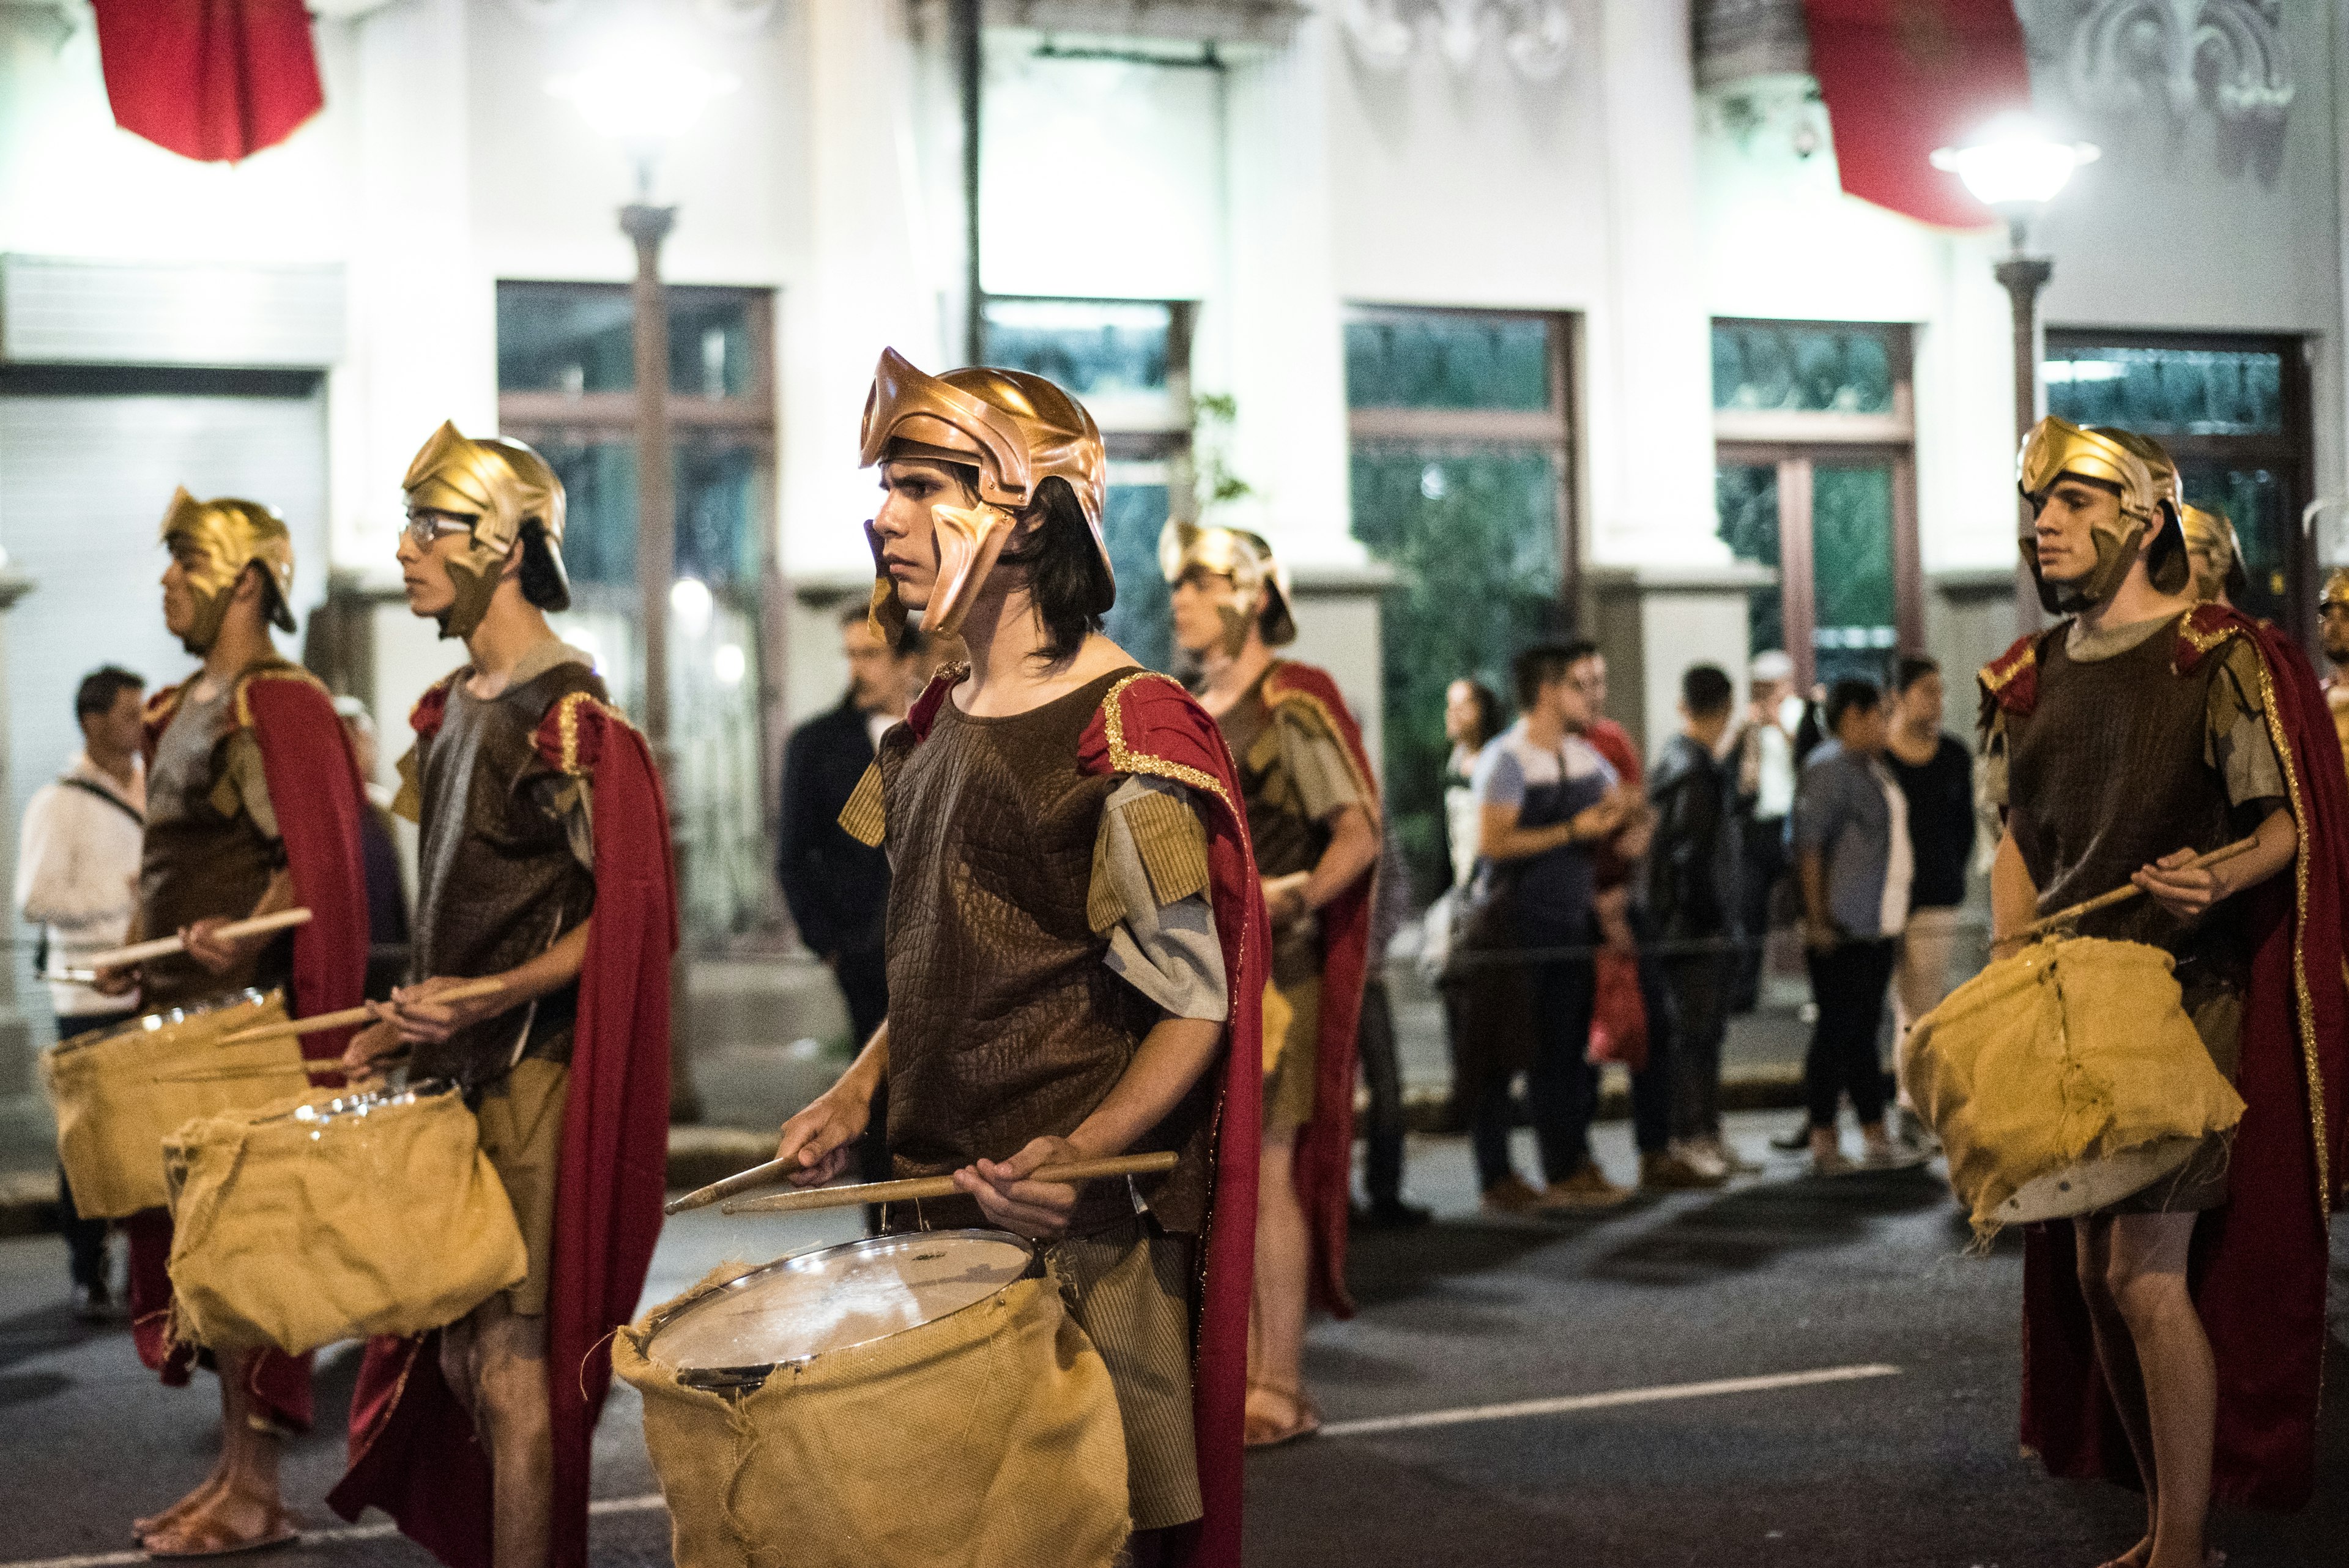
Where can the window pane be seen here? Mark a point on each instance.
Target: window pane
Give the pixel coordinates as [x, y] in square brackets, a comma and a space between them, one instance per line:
[1092, 347]
[1140, 621]
[2168, 391]
[1813, 370]
[2253, 500]
[717, 499]
[1851, 568]
[1473, 526]
[1746, 498]
[1437, 360]
[580, 337]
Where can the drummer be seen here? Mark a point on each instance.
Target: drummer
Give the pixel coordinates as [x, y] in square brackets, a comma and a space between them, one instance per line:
[542, 864]
[253, 805]
[2134, 733]
[1074, 927]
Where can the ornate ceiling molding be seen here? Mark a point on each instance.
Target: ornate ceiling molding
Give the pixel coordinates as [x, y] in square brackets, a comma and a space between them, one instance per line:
[2183, 54]
[1537, 37]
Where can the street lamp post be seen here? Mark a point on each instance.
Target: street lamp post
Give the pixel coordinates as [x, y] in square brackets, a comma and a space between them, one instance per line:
[2015, 172]
[643, 92]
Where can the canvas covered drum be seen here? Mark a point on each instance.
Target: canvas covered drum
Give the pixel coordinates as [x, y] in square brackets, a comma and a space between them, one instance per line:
[2063, 1078]
[337, 1218]
[120, 1092]
[921, 1401]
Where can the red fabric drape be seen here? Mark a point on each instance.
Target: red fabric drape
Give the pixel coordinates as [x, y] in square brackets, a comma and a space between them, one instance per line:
[214, 80]
[2260, 1263]
[1904, 76]
[1324, 1161]
[413, 1452]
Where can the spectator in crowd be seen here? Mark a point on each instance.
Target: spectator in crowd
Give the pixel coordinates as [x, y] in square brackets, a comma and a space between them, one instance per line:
[836, 886]
[1383, 1135]
[1765, 762]
[387, 890]
[1936, 775]
[1623, 921]
[1472, 717]
[1546, 801]
[76, 867]
[1853, 858]
[1691, 885]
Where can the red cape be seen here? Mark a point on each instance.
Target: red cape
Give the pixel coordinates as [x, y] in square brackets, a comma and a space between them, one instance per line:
[1148, 725]
[2259, 1264]
[413, 1450]
[314, 791]
[1324, 1161]
[215, 81]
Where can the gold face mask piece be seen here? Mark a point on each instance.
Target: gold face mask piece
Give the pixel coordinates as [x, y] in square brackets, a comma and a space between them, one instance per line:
[503, 488]
[1016, 430]
[229, 536]
[2148, 515]
[1258, 590]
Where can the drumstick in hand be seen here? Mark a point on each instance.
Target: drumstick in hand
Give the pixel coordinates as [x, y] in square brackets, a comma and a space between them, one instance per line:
[923, 1186]
[164, 947]
[465, 993]
[2122, 894]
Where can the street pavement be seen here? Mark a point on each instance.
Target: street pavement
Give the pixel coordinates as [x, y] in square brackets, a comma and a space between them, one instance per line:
[1793, 1371]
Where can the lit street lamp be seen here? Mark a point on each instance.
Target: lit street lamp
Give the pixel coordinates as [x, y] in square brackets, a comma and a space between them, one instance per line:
[643, 92]
[2015, 172]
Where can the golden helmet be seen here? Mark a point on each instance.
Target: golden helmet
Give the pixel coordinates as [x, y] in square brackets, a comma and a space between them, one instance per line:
[2149, 523]
[512, 497]
[1018, 430]
[2336, 588]
[1259, 590]
[229, 535]
[2209, 534]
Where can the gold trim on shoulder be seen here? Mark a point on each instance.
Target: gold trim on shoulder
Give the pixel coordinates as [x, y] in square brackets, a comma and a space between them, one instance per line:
[1282, 696]
[277, 670]
[565, 714]
[864, 817]
[1126, 760]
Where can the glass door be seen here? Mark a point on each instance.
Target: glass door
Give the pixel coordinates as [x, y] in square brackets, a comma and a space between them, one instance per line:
[1832, 523]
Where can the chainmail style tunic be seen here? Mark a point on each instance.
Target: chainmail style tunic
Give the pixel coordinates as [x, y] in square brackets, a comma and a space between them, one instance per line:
[505, 867]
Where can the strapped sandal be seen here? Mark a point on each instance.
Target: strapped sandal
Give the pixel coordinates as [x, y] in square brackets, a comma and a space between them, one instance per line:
[1304, 1420]
[211, 1539]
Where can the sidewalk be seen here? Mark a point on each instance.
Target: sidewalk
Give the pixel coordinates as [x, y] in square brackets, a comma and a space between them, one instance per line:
[767, 1036]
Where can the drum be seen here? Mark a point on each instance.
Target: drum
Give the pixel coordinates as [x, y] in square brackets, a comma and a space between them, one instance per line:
[2063, 1078]
[119, 1093]
[337, 1218]
[921, 1401]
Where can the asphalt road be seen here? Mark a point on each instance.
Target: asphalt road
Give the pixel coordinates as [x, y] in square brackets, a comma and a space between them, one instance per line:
[1868, 1416]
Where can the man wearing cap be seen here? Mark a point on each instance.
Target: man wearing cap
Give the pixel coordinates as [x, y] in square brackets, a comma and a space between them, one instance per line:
[2138, 732]
[543, 865]
[1075, 934]
[2333, 635]
[1313, 816]
[253, 805]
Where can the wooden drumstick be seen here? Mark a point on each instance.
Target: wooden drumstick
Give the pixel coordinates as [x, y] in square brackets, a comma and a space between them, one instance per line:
[943, 1185]
[164, 947]
[2122, 894]
[465, 993]
[740, 1181]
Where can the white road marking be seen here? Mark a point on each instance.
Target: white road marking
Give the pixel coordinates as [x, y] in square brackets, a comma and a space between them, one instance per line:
[337, 1536]
[1527, 1407]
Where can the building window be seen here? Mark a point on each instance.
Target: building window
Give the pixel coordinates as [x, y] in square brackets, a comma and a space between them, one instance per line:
[2234, 412]
[1129, 362]
[566, 384]
[1462, 458]
[1815, 477]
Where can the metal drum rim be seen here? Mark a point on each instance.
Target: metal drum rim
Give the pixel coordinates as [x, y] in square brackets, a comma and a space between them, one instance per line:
[752, 1373]
[432, 1089]
[250, 996]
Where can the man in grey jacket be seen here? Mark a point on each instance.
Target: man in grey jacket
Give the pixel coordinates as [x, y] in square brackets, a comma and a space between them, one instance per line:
[1852, 853]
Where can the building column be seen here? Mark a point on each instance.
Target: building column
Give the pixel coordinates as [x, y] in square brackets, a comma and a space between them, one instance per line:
[16, 1028]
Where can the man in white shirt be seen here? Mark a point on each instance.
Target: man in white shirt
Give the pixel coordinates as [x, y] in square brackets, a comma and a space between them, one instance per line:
[77, 863]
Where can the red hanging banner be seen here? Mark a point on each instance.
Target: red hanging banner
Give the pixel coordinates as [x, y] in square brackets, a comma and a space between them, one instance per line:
[214, 80]
[1904, 76]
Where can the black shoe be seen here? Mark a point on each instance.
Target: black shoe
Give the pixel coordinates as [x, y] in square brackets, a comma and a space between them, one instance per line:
[1794, 1142]
[1395, 1216]
[93, 1304]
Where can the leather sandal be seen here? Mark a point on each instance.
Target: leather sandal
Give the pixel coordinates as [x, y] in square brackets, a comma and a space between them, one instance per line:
[209, 1538]
[1305, 1419]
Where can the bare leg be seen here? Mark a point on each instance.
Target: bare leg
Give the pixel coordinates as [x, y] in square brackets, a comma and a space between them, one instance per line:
[1276, 1323]
[243, 1503]
[496, 1361]
[2116, 1358]
[2146, 1272]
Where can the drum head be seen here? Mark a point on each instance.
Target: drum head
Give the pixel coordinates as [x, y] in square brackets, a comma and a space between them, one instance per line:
[830, 1299]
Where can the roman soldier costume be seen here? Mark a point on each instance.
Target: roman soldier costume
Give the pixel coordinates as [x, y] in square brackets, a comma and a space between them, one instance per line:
[2335, 686]
[2109, 750]
[539, 808]
[1063, 878]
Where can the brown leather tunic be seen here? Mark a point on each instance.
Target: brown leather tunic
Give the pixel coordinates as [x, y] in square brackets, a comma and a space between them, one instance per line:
[198, 861]
[2108, 773]
[1287, 839]
[497, 880]
[1005, 1024]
